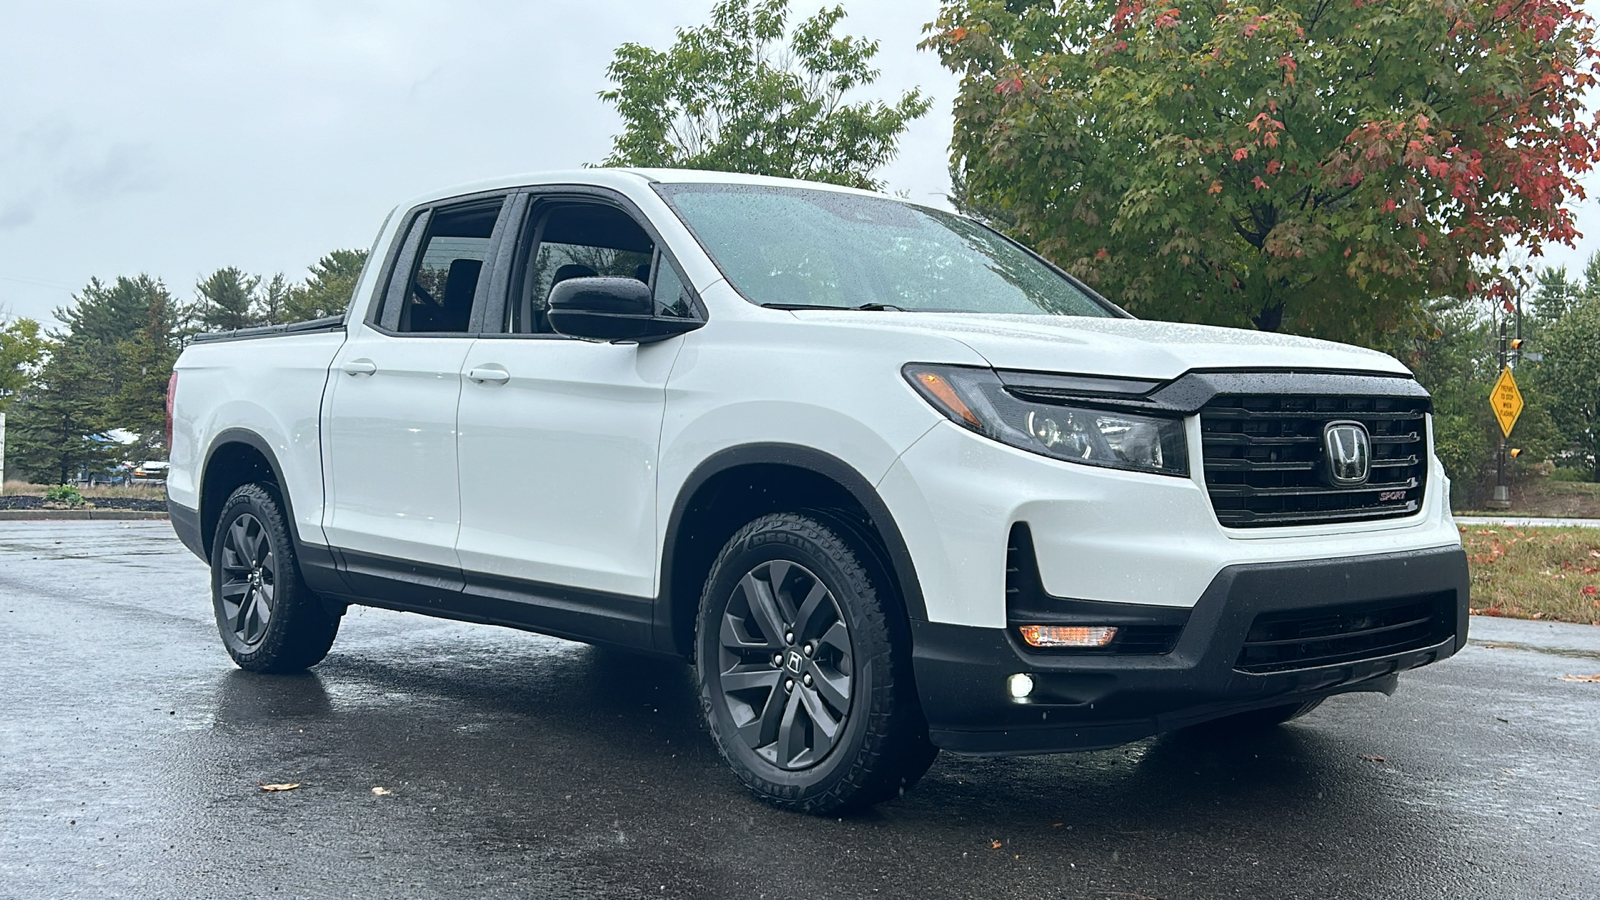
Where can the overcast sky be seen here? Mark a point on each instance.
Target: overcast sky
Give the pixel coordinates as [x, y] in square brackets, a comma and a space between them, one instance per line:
[175, 138]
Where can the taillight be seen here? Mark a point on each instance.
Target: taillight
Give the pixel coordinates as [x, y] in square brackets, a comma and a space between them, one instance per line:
[172, 391]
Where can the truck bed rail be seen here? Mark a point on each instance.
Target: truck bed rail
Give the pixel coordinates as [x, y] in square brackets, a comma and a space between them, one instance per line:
[311, 326]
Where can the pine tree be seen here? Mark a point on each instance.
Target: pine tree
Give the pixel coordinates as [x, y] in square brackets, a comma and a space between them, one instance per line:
[54, 426]
[111, 313]
[274, 300]
[140, 404]
[228, 299]
[327, 292]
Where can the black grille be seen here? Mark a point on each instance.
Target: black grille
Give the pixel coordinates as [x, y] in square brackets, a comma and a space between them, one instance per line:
[1265, 459]
[1303, 638]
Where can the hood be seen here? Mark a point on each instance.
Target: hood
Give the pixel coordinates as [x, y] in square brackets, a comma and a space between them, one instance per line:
[1127, 347]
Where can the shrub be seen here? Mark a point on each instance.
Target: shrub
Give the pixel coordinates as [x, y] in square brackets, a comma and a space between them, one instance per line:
[65, 495]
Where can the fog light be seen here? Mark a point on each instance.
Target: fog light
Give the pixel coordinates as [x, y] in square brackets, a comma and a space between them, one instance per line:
[1068, 635]
[1020, 686]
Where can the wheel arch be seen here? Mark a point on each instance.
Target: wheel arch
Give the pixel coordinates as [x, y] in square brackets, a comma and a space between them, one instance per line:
[236, 457]
[737, 484]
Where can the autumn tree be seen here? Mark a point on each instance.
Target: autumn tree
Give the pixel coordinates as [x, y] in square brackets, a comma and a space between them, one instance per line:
[1314, 166]
[327, 292]
[745, 93]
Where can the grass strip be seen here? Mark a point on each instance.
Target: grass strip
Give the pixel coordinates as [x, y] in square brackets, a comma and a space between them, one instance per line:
[1535, 573]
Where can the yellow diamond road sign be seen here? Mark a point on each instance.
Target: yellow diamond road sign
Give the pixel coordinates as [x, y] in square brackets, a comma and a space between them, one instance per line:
[1506, 401]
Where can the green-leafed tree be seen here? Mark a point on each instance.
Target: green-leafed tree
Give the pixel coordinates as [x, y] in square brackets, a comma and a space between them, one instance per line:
[327, 292]
[1569, 378]
[1454, 360]
[51, 430]
[140, 404]
[1554, 293]
[745, 93]
[22, 346]
[1301, 165]
[228, 300]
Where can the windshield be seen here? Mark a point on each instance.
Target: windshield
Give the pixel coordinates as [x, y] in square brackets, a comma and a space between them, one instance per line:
[800, 248]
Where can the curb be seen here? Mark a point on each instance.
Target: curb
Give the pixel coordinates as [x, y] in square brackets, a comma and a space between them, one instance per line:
[1529, 521]
[29, 515]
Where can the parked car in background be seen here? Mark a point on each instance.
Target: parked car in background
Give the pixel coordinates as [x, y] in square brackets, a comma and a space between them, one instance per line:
[150, 472]
[890, 481]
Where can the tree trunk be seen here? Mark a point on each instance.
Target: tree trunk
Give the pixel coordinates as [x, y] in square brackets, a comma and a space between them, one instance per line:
[1270, 318]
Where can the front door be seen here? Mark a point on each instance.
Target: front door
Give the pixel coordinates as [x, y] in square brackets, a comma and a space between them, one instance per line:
[559, 437]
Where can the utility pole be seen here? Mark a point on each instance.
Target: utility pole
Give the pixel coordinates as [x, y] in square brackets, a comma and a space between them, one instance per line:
[1507, 400]
[1502, 492]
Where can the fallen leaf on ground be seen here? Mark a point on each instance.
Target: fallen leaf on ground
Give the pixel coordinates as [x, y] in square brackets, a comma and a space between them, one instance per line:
[995, 845]
[1373, 758]
[1589, 678]
[279, 787]
[382, 791]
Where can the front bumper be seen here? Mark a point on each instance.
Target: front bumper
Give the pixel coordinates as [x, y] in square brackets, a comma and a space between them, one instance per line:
[1087, 700]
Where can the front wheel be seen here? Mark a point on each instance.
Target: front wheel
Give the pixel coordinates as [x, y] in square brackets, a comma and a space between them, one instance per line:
[269, 620]
[805, 676]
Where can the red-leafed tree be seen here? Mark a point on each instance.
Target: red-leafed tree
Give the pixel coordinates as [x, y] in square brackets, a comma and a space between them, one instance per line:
[1317, 166]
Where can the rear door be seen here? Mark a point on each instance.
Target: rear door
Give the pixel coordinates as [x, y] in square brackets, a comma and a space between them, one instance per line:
[389, 426]
[558, 436]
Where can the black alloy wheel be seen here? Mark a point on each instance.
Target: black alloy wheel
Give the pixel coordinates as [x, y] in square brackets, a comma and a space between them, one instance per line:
[270, 621]
[785, 664]
[249, 579]
[803, 658]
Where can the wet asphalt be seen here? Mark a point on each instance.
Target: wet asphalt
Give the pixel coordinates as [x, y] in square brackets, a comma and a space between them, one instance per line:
[514, 765]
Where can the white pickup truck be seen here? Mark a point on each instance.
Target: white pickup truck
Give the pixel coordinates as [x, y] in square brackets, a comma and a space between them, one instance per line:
[890, 481]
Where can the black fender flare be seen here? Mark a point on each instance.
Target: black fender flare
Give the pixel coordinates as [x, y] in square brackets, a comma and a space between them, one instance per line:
[796, 456]
[319, 565]
[259, 444]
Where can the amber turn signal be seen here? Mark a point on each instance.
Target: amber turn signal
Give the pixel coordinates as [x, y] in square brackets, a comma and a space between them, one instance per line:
[1067, 635]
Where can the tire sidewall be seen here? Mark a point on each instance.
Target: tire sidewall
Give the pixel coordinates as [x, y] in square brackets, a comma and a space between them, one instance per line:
[764, 540]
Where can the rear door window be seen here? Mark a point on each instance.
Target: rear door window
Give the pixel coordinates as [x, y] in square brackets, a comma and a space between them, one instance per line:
[444, 275]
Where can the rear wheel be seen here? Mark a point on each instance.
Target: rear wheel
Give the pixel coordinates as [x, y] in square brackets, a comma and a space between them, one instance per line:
[805, 674]
[269, 620]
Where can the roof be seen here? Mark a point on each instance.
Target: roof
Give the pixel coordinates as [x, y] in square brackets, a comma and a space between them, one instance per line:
[625, 178]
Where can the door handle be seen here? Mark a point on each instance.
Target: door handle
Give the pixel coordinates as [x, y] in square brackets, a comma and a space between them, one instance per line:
[355, 367]
[489, 374]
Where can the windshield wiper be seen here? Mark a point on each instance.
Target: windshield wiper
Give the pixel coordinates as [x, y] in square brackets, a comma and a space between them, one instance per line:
[865, 307]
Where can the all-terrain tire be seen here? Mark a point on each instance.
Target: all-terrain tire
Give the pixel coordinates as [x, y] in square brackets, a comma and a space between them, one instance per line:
[269, 620]
[799, 631]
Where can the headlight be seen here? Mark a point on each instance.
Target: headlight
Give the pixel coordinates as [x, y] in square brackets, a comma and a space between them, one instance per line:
[976, 399]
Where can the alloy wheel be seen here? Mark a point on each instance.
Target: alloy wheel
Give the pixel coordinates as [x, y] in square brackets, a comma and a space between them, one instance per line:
[249, 579]
[785, 664]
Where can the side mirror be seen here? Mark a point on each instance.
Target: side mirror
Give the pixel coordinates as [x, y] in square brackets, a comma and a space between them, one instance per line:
[611, 309]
